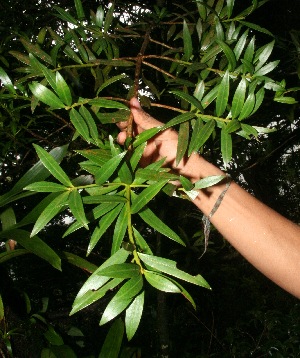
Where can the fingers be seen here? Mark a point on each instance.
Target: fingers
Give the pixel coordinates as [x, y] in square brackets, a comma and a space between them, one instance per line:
[142, 119]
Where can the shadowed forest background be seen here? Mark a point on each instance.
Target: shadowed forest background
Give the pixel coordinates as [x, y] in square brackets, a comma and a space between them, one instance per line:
[245, 314]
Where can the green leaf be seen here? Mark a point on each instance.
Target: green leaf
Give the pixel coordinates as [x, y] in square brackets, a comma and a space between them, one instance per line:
[208, 181]
[109, 18]
[286, 100]
[64, 15]
[79, 10]
[200, 135]
[97, 199]
[239, 98]
[259, 97]
[146, 195]
[95, 281]
[161, 282]
[76, 207]
[226, 146]
[110, 81]
[46, 96]
[124, 270]
[230, 4]
[240, 45]
[49, 212]
[53, 167]
[99, 16]
[133, 315]
[36, 50]
[113, 341]
[266, 69]
[120, 230]
[49, 75]
[186, 183]
[187, 42]
[35, 245]
[78, 261]
[63, 90]
[229, 54]
[6, 81]
[1, 310]
[108, 168]
[80, 124]
[122, 299]
[8, 255]
[153, 221]
[223, 94]
[145, 136]
[183, 141]
[190, 99]
[263, 55]
[256, 27]
[141, 242]
[7, 218]
[107, 103]
[248, 107]
[104, 224]
[169, 267]
[248, 56]
[45, 187]
[247, 131]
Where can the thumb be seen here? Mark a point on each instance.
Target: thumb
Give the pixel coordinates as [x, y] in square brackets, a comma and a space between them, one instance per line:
[141, 118]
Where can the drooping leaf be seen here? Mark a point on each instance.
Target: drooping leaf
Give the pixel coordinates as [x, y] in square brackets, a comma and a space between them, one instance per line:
[153, 221]
[46, 96]
[78, 261]
[53, 167]
[146, 195]
[113, 341]
[63, 90]
[169, 267]
[208, 181]
[226, 146]
[49, 212]
[223, 94]
[122, 299]
[161, 282]
[133, 315]
[76, 207]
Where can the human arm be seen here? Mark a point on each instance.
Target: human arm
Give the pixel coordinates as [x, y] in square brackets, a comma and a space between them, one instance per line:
[266, 239]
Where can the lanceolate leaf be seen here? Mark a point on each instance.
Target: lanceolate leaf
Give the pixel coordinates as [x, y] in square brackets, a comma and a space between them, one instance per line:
[183, 141]
[122, 299]
[248, 107]
[45, 187]
[201, 135]
[53, 167]
[120, 230]
[190, 99]
[146, 135]
[36, 246]
[229, 55]
[104, 224]
[90, 123]
[108, 168]
[134, 315]
[6, 81]
[208, 181]
[256, 27]
[80, 124]
[147, 194]
[223, 94]
[124, 270]
[113, 341]
[169, 267]
[187, 42]
[230, 4]
[161, 282]
[107, 103]
[264, 54]
[49, 75]
[226, 146]
[44, 95]
[63, 90]
[240, 45]
[153, 221]
[79, 10]
[76, 207]
[239, 98]
[266, 69]
[49, 212]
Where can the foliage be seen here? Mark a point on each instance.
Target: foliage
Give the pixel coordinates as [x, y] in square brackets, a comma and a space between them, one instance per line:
[201, 61]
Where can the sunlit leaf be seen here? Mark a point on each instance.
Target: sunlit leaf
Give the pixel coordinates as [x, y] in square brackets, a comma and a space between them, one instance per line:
[99, 16]
[122, 299]
[108, 168]
[208, 181]
[133, 315]
[113, 341]
[49, 212]
[169, 267]
[46, 96]
[53, 167]
[286, 100]
[145, 136]
[146, 195]
[90, 123]
[76, 207]
[266, 69]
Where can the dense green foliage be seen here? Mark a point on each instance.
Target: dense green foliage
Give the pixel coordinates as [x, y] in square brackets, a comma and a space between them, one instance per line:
[209, 71]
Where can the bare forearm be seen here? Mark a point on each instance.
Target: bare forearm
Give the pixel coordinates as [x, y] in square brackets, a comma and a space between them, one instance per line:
[266, 239]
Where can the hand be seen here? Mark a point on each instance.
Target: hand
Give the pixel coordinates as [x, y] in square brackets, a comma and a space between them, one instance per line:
[163, 145]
